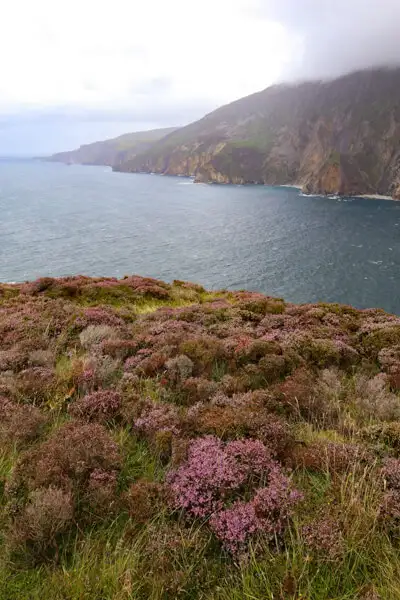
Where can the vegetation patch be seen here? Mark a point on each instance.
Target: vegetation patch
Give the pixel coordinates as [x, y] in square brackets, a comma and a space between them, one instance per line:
[161, 441]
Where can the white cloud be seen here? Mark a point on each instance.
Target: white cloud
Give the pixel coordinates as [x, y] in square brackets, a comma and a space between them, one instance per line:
[113, 55]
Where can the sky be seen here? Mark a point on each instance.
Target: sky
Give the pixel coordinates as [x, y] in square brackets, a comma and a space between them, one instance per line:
[84, 70]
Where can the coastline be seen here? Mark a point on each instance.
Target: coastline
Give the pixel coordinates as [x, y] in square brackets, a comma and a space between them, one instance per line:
[377, 197]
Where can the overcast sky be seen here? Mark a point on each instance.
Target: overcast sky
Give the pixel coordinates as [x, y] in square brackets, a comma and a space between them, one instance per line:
[78, 71]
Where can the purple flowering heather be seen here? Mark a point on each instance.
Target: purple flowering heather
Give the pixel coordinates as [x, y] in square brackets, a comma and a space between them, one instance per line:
[267, 513]
[213, 471]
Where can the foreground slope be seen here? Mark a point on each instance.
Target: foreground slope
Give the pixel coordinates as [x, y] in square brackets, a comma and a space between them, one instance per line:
[114, 151]
[160, 441]
[339, 136]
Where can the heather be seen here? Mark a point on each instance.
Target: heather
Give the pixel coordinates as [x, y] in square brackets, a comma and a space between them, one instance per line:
[161, 441]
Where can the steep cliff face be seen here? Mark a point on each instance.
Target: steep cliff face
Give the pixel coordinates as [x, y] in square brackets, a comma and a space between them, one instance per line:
[340, 136]
[114, 151]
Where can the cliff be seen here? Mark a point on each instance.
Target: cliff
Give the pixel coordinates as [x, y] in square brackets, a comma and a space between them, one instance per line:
[339, 136]
[114, 151]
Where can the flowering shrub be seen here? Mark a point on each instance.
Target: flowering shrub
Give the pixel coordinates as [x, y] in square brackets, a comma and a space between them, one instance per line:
[267, 514]
[214, 470]
[98, 315]
[204, 351]
[99, 406]
[35, 384]
[119, 348]
[158, 417]
[221, 389]
[12, 360]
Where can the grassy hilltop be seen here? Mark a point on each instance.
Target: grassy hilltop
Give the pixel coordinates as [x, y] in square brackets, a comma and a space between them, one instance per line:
[161, 441]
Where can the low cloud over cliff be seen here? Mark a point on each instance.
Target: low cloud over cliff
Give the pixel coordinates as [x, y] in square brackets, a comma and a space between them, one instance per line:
[332, 37]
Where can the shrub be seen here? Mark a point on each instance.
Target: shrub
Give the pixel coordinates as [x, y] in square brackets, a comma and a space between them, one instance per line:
[101, 493]
[332, 457]
[262, 305]
[267, 514]
[34, 533]
[256, 350]
[119, 348]
[389, 359]
[157, 417]
[101, 406]
[325, 352]
[67, 459]
[41, 358]
[144, 500]
[99, 315]
[94, 335]
[12, 360]
[149, 366]
[213, 470]
[204, 351]
[273, 367]
[324, 536]
[20, 424]
[378, 337]
[391, 473]
[387, 434]
[298, 395]
[374, 398]
[242, 415]
[179, 369]
[35, 384]
[95, 372]
[199, 389]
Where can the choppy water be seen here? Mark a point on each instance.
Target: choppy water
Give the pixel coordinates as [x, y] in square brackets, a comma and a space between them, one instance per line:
[58, 220]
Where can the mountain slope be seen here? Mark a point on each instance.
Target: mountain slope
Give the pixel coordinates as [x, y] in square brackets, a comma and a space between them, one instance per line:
[113, 151]
[340, 136]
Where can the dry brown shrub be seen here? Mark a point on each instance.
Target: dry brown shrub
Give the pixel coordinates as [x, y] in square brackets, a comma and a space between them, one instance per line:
[198, 389]
[67, 459]
[101, 494]
[243, 415]
[34, 532]
[36, 384]
[20, 424]
[144, 500]
[326, 456]
[374, 398]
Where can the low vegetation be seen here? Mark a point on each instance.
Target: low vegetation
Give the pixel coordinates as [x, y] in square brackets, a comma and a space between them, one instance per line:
[160, 441]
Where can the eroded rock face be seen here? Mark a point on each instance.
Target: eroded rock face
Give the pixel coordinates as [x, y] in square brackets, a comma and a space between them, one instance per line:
[341, 136]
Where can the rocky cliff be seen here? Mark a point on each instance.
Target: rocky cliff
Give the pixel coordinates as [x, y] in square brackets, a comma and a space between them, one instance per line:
[114, 151]
[340, 136]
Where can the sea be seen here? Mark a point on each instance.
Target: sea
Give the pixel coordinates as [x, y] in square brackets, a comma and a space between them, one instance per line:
[60, 220]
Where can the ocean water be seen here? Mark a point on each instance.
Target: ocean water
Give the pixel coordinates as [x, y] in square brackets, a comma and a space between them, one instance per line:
[60, 220]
